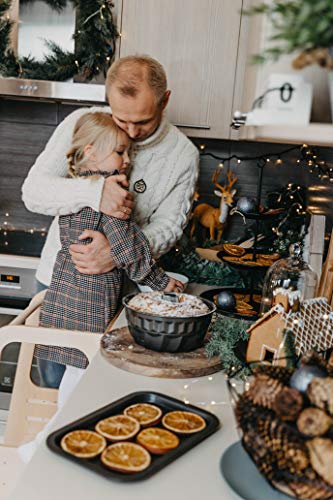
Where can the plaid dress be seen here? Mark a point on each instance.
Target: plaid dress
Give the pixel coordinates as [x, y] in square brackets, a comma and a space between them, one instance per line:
[77, 301]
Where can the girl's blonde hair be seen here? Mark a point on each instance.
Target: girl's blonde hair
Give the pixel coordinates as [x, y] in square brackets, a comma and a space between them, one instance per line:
[97, 129]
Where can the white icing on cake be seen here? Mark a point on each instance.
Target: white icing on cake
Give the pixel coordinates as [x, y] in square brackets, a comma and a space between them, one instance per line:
[153, 303]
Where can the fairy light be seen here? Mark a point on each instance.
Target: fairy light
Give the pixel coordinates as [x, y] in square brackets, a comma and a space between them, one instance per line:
[306, 154]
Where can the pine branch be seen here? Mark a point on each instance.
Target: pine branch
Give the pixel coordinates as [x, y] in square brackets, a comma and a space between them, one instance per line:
[226, 336]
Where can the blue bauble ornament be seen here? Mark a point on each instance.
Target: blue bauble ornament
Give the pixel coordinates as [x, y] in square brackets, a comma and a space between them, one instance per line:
[226, 301]
[302, 377]
[247, 205]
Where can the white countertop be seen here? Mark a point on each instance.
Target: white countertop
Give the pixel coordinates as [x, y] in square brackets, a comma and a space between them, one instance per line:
[194, 476]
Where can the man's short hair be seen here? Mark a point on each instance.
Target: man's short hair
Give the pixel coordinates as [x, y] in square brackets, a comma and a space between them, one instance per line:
[128, 73]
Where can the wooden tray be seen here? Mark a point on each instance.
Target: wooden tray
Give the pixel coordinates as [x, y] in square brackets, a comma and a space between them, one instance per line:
[120, 350]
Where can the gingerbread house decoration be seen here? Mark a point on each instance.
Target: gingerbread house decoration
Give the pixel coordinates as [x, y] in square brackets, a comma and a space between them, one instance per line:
[311, 323]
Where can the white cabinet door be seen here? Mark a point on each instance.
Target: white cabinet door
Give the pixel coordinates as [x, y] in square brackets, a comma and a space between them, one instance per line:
[197, 42]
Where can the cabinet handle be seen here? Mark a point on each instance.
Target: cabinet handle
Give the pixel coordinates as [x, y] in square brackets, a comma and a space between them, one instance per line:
[200, 127]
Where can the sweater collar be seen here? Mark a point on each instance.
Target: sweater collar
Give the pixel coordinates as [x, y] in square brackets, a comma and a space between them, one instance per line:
[157, 136]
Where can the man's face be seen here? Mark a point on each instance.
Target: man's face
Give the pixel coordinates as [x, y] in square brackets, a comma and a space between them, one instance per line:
[138, 116]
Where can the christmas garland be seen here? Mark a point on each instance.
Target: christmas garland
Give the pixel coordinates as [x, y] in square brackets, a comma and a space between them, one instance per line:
[227, 337]
[200, 270]
[95, 36]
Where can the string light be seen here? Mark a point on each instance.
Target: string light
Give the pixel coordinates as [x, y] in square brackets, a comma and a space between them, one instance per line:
[308, 155]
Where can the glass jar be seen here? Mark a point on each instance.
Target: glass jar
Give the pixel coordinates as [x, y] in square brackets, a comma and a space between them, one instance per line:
[292, 277]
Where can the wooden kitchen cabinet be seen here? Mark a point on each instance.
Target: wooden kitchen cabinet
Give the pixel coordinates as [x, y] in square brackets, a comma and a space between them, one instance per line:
[197, 43]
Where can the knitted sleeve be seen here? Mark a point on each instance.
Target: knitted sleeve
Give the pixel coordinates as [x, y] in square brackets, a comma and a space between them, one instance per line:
[166, 225]
[46, 189]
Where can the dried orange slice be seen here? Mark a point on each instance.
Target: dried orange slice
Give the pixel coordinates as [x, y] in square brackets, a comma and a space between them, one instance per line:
[235, 250]
[118, 427]
[157, 440]
[241, 304]
[145, 413]
[126, 457]
[183, 422]
[83, 444]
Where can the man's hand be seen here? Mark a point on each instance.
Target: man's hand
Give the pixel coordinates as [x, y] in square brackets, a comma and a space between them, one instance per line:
[116, 201]
[93, 258]
[174, 286]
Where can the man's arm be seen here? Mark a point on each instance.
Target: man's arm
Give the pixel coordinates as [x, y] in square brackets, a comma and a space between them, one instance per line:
[47, 190]
[163, 230]
[166, 225]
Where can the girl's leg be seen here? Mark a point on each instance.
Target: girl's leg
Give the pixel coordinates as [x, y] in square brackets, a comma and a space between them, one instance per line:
[50, 372]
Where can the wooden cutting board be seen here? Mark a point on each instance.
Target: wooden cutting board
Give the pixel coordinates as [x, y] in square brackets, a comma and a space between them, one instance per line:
[120, 349]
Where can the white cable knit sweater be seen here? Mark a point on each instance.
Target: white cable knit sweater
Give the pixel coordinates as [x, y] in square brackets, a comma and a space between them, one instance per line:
[167, 162]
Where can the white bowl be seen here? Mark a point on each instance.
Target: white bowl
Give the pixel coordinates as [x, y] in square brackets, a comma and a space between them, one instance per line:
[180, 277]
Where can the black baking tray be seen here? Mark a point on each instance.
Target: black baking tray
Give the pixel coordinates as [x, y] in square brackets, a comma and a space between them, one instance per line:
[166, 403]
[209, 294]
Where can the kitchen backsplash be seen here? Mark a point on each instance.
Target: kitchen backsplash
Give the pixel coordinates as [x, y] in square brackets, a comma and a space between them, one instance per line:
[25, 127]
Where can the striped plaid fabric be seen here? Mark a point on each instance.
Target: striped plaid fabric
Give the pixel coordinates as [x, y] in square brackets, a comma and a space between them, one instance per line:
[77, 301]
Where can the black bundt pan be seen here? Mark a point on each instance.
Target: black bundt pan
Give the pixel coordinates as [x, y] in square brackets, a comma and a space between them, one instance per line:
[168, 334]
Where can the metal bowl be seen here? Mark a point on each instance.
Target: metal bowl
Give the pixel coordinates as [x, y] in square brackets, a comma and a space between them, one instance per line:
[168, 334]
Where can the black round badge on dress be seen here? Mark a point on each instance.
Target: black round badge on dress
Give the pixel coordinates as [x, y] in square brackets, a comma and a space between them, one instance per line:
[140, 186]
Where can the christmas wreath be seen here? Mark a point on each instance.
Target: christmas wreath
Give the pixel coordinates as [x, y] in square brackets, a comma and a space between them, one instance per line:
[95, 35]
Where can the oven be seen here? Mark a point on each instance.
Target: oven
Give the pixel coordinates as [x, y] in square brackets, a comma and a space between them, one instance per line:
[19, 257]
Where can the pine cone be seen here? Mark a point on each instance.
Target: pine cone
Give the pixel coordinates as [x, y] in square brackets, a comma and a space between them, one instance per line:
[263, 390]
[308, 489]
[288, 449]
[288, 404]
[320, 393]
[277, 372]
[312, 358]
[313, 422]
[321, 457]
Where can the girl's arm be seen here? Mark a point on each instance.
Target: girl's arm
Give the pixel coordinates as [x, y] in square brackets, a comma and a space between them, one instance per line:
[130, 251]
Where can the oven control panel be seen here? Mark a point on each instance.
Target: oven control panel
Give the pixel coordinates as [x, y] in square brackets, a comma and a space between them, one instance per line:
[10, 279]
[17, 282]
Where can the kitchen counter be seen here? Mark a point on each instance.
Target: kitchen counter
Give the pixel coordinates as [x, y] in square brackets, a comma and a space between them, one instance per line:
[194, 475]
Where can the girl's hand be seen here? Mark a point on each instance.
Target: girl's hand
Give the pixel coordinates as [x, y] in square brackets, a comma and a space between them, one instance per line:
[116, 201]
[174, 286]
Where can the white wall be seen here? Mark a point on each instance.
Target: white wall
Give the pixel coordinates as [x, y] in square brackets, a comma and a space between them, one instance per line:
[37, 22]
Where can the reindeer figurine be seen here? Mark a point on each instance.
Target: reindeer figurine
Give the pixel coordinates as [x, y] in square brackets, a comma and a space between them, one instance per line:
[212, 218]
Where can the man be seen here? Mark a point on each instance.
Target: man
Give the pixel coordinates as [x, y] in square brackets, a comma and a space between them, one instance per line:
[163, 176]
